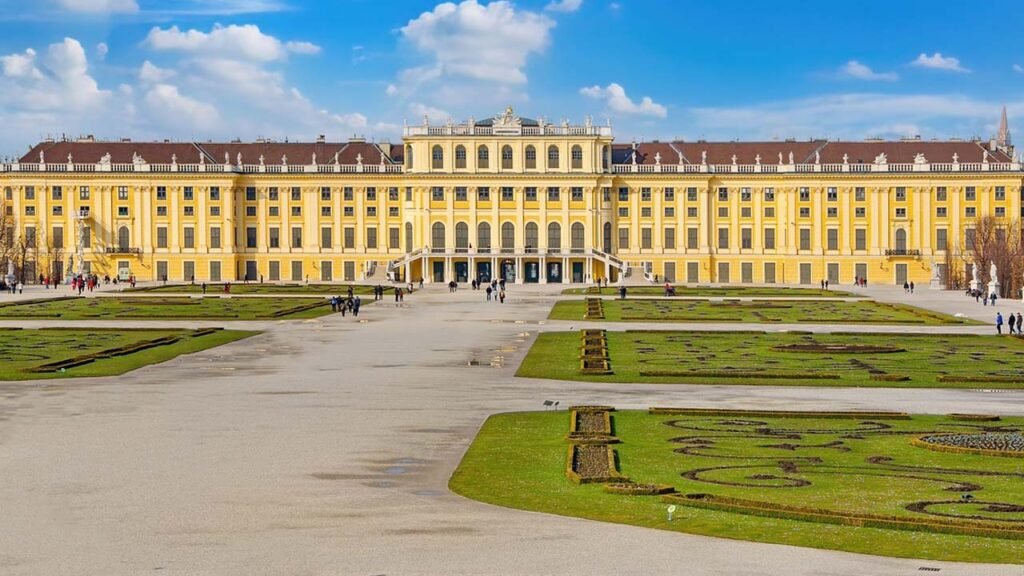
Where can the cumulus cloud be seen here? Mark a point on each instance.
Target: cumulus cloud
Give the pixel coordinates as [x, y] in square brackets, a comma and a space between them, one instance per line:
[938, 62]
[234, 41]
[484, 42]
[21, 65]
[150, 73]
[435, 115]
[564, 5]
[616, 99]
[101, 50]
[165, 100]
[854, 69]
[100, 6]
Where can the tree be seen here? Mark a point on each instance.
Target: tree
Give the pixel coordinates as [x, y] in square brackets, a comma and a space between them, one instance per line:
[989, 240]
[8, 235]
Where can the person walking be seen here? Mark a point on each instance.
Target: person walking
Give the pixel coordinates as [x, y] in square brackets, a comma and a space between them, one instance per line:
[622, 292]
[21, 289]
[355, 306]
[501, 296]
[489, 291]
[1020, 322]
[911, 287]
[999, 323]
[1012, 323]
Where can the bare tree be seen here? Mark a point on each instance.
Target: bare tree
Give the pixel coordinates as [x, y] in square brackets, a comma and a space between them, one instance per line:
[989, 240]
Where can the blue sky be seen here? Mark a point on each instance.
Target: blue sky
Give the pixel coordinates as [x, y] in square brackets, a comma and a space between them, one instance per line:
[221, 69]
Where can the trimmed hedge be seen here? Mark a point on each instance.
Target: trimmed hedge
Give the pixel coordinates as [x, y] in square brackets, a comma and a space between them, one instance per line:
[728, 374]
[921, 443]
[631, 489]
[973, 417]
[889, 377]
[778, 414]
[982, 379]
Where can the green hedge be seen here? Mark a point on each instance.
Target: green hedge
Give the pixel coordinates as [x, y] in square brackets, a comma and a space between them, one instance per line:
[777, 413]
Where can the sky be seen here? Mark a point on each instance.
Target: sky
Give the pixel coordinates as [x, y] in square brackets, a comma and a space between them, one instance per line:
[658, 69]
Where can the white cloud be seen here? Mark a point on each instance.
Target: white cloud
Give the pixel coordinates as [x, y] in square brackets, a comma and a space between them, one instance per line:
[21, 65]
[482, 42]
[234, 41]
[435, 115]
[165, 100]
[391, 90]
[100, 6]
[854, 69]
[102, 50]
[149, 73]
[615, 97]
[564, 5]
[1018, 68]
[938, 62]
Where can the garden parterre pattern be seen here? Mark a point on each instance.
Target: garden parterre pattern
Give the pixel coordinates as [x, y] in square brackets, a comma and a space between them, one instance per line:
[165, 307]
[257, 288]
[716, 291]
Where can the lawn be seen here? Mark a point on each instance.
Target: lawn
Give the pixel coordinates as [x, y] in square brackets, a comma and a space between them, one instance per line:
[856, 466]
[716, 291]
[753, 312]
[257, 288]
[166, 307]
[787, 358]
[79, 352]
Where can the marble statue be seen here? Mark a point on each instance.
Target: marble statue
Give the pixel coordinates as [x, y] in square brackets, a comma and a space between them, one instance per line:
[238, 161]
[881, 159]
[974, 275]
[993, 276]
[920, 159]
[791, 158]
[657, 158]
[42, 157]
[780, 158]
[703, 157]
[846, 158]
[105, 159]
[733, 159]
[757, 159]
[817, 157]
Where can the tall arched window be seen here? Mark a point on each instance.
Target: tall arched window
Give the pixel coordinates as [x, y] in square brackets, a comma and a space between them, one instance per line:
[552, 156]
[408, 156]
[554, 237]
[901, 239]
[577, 157]
[506, 157]
[483, 157]
[531, 158]
[408, 237]
[508, 237]
[576, 237]
[461, 237]
[606, 157]
[483, 237]
[437, 157]
[437, 243]
[608, 237]
[123, 239]
[531, 236]
[460, 156]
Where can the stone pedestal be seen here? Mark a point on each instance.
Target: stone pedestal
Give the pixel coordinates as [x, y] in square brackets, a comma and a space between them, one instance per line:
[10, 278]
[993, 288]
[975, 285]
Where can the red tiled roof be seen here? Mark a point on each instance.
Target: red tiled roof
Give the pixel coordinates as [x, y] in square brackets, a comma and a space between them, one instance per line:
[120, 152]
[904, 152]
[748, 152]
[188, 153]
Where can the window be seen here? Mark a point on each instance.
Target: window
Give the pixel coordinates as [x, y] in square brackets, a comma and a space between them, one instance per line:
[273, 194]
[723, 194]
[769, 194]
[161, 210]
[746, 212]
[745, 195]
[371, 194]
[691, 194]
[805, 194]
[531, 158]
[189, 237]
[645, 194]
[507, 194]
[941, 239]
[296, 210]
[296, 194]
[832, 239]
[408, 193]
[86, 237]
[670, 212]
[325, 210]
[188, 193]
[437, 239]
[274, 211]
[122, 211]
[296, 237]
[723, 211]
[394, 238]
[325, 194]
[1000, 193]
[832, 212]
[30, 235]
[831, 194]
[436, 158]
[1000, 212]
[30, 210]
[859, 194]
[623, 212]
[59, 211]
[970, 194]
[508, 236]
[769, 212]
[274, 237]
[940, 194]
[349, 238]
[8, 193]
[552, 156]
[83, 193]
[483, 157]
[746, 239]
[769, 238]
[371, 210]
[969, 235]
[691, 238]
[214, 194]
[623, 194]
[215, 211]
[483, 194]
[215, 237]
[161, 237]
[971, 212]
[623, 238]
[437, 194]
[901, 194]
[577, 193]
[392, 194]
[58, 237]
[670, 239]
[645, 212]
[250, 194]
[460, 193]
[371, 238]
[393, 211]
[56, 193]
[483, 237]
[901, 240]
[161, 193]
[577, 157]
[554, 237]
[347, 194]
[669, 194]
[506, 157]
[249, 210]
[723, 238]
[190, 210]
[901, 212]
[531, 194]
[805, 212]
[691, 212]
[645, 238]
[860, 239]
[606, 193]
[941, 212]
[553, 194]
[860, 212]
[805, 239]
[460, 157]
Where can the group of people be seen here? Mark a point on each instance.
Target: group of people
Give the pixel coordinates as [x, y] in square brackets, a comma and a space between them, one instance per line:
[908, 287]
[980, 296]
[81, 283]
[14, 287]
[495, 289]
[349, 303]
[860, 282]
[1016, 323]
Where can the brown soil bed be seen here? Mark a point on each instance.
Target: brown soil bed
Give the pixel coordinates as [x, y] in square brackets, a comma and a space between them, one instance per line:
[840, 348]
[591, 461]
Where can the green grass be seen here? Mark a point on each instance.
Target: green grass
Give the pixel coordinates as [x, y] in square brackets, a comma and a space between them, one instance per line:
[755, 358]
[23, 350]
[755, 311]
[257, 288]
[715, 291]
[518, 460]
[167, 307]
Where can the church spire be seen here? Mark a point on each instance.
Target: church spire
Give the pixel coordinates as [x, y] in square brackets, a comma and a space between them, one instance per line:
[1003, 137]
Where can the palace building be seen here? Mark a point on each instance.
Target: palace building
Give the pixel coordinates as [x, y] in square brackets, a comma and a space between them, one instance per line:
[511, 197]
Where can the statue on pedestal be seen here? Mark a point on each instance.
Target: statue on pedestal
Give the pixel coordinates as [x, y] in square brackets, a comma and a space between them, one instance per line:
[975, 280]
[993, 280]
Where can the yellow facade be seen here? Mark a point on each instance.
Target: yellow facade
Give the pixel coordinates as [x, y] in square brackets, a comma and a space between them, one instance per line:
[530, 201]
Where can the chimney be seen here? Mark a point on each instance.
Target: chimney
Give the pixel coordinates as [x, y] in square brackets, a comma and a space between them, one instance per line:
[321, 139]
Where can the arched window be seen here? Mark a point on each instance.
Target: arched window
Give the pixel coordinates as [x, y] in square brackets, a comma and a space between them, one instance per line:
[577, 157]
[123, 239]
[437, 237]
[531, 158]
[606, 157]
[437, 158]
[531, 236]
[576, 236]
[901, 239]
[506, 157]
[552, 156]
[508, 237]
[408, 237]
[408, 156]
[608, 237]
[554, 237]
[461, 237]
[460, 156]
[483, 157]
[483, 237]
